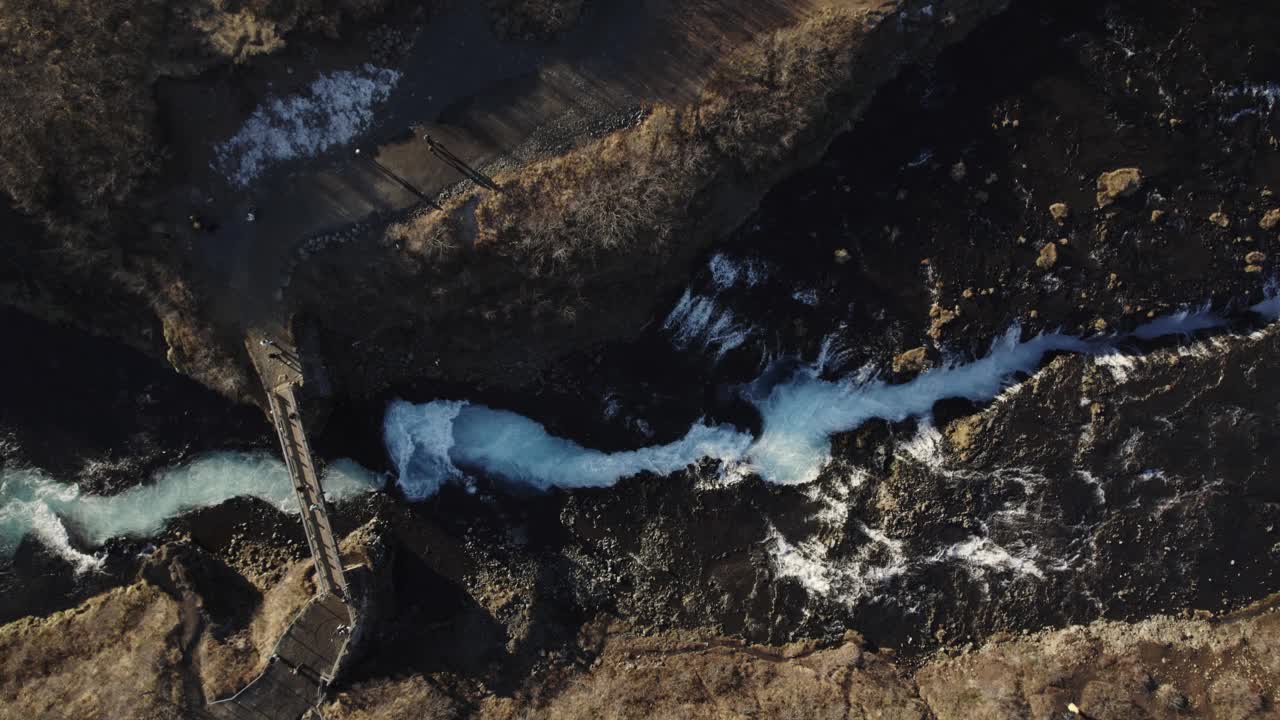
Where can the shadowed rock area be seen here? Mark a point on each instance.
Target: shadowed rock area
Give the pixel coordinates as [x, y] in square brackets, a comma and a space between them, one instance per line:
[861, 194]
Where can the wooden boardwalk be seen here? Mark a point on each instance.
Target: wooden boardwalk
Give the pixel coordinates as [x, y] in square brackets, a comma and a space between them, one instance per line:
[306, 486]
[304, 662]
[311, 651]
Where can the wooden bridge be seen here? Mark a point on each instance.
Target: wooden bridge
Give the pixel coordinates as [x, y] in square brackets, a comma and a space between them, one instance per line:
[312, 650]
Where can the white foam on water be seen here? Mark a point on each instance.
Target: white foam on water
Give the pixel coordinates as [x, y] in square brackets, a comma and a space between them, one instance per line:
[1183, 322]
[418, 440]
[332, 111]
[925, 447]
[517, 449]
[32, 503]
[850, 578]
[800, 415]
[1268, 93]
[807, 296]
[1270, 306]
[429, 443]
[984, 553]
[831, 354]
[727, 272]
[1099, 491]
[699, 322]
[724, 272]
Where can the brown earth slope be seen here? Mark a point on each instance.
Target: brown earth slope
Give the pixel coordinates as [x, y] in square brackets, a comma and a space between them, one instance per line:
[578, 249]
[128, 654]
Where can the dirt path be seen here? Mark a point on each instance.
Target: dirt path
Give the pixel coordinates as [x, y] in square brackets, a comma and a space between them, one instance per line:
[493, 103]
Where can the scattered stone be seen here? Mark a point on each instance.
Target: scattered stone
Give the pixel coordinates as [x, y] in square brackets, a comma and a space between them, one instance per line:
[958, 171]
[1220, 219]
[1059, 211]
[1255, 258]
[940, 317]
[991, 179]
[1157, 216]
[1170, 697]
[962, 432]
[1271, 220]
[842, 256]
[1118, 184]
[911, 362]
[1100, 325]
[1253, 268]
[1048, 257]
[967, 294]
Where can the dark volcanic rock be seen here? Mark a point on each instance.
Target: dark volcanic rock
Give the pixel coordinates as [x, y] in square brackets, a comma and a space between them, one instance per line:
[94, 412]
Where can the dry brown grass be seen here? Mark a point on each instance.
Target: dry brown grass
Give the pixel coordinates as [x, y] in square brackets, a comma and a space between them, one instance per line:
[115, 656]
[76, 123]
[394, 699]
[783, 91]
[77, 140]
[578, 249]
[228, 664]
[623, 194]
[79, 153]
[635, 190]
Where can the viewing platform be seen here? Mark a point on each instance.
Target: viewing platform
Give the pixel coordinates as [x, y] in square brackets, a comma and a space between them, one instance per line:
[311, 652]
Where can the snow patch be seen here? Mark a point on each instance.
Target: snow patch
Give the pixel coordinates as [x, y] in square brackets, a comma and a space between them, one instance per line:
[332, 111]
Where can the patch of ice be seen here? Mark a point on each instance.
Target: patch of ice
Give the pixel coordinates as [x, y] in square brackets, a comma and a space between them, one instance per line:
[333, 110]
